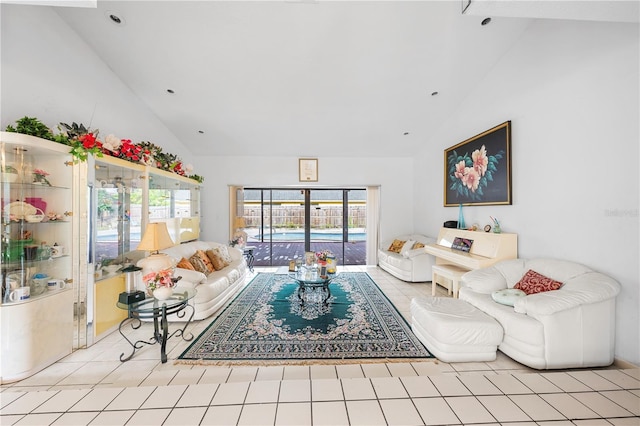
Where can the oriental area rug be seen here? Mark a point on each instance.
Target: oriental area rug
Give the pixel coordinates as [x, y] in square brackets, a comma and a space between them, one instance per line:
[267, 323]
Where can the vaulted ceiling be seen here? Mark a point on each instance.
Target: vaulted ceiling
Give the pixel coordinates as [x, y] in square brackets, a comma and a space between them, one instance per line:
[299, 78]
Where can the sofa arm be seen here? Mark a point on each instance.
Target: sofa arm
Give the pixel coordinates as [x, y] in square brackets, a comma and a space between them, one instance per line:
[484, 281]
[585, 289]
[189, 275]
[410, 254]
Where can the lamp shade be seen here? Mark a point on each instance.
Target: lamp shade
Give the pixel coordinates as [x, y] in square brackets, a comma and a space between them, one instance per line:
[239, 222]
[156, 237]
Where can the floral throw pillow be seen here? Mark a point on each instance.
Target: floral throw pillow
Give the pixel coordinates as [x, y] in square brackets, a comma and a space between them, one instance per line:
[533, 282]
[198, 264]
[396, 246]
[205, 259]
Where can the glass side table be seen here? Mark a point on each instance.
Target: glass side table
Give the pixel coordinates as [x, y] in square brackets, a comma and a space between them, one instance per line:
[248, 254]
[158, 310]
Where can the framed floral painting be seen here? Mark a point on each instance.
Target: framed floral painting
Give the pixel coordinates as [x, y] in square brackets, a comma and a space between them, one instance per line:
[477, 171]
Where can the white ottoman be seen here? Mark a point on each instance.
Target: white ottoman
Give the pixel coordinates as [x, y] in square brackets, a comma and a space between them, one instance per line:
[455, 331]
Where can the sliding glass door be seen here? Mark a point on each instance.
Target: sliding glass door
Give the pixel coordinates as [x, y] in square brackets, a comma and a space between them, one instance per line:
[282, 224]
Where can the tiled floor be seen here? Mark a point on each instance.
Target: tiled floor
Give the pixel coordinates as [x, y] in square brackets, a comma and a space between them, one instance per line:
[92, 387]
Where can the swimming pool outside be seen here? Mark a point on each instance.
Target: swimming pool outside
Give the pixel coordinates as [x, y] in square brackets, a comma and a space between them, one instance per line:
[315, 236]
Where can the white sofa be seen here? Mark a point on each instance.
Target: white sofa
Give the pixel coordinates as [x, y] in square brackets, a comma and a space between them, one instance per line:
[572, 327]
[412, 265]
[215, 289]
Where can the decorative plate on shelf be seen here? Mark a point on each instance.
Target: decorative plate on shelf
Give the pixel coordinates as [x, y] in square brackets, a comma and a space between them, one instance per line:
[20, 209]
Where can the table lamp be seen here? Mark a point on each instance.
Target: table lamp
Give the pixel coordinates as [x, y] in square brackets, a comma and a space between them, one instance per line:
[239, 224]
[156, 237]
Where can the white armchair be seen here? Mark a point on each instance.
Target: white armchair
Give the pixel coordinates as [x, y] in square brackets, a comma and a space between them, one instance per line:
[572, 327]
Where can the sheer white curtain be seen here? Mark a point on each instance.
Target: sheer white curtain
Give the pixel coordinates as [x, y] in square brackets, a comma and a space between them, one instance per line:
[373, 224]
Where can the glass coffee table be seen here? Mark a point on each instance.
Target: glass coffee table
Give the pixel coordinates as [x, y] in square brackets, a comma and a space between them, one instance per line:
[310, 279]
[158, 310]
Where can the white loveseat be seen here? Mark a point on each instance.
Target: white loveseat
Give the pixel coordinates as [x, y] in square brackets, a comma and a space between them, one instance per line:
[572, 327]
[214, 289]
[412, 265]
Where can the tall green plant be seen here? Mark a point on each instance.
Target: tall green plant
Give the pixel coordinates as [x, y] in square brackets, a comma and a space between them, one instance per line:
[31, 126]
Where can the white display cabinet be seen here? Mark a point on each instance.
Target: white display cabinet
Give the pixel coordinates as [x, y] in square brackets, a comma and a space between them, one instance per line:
[38, 259]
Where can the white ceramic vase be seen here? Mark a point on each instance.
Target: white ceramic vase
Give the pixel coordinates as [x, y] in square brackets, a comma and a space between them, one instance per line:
[162, 293]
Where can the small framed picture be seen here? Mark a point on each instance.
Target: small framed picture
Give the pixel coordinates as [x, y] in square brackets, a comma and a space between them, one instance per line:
[308, 169]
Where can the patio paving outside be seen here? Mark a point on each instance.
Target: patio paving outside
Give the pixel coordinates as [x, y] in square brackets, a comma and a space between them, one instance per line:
[283, 252]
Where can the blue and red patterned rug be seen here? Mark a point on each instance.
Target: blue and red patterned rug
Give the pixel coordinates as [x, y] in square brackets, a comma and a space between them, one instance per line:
[266, 322]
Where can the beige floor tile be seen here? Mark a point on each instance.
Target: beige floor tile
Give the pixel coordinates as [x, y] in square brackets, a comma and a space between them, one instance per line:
[112, 418]
[53, 374]
[75, 419]
[185, 416]
[620, 378]
[400, 412]
[508, 384]
[593, 380]
[8, 397]
[435, 411]
[570, 407]
[449, 385]
[187, 377]
[625, 421]
[326, 390]
[471, 366]
[556, 423]
[566, 382]
[28, 402]
[164, 397]
[357, 389]
[536, 407]
[479, 385]
[503, 409]
[270, 373]
[401, 369]
[293, 414]
[92, 372]
[230, 393]
[432, 367]
[625, 399]
[419, 386]
[295, 391]
[537, 383]
[469, 409]
[263, 392]
[375, 370]
[61, 401]
[296, 372]
[242, 374]
[601, 405]
[215, 375]
[590, 422]
[38, 419]
[257, 415]
[223, 415]
[159, 378]
[365, 413]
[633, 372]
[349, 371]
[388, 387]
[323, 372]
[131, 398]
[149, 417]
[197, 395]
[329, 413]
[96, 400]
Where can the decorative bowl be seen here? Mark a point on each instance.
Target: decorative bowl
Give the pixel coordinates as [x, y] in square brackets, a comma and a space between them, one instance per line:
[111, 269]
[33, 218]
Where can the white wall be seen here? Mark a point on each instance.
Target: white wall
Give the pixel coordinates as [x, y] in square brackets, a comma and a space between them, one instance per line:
[571, 91]
[394, 175]
[49, 73]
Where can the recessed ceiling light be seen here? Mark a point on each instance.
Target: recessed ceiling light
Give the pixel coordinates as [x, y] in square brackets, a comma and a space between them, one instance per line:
[170, 91]
[406, 133]
[434, 93]
[485, 21]
[201, 132]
